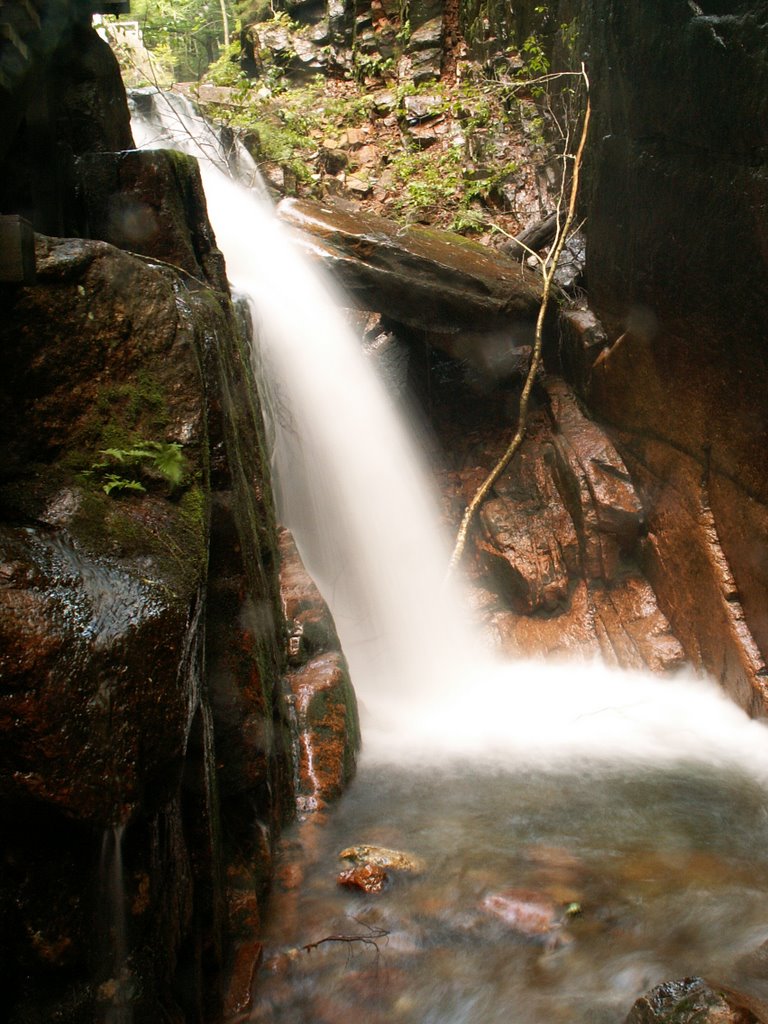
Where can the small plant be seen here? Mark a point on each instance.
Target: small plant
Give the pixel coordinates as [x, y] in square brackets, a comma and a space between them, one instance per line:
[536, 60]
[427, 181]
[369, 66]
[226, 70]
[139, 464]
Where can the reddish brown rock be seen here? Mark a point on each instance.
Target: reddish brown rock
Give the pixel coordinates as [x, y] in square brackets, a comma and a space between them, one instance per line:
[686, 563]
[595, 485]
[311, 629]
[530, 543]
[632, 630]
[327, 728]
[569, 634]
[689, 1001]
[559, 546]
[369, 878]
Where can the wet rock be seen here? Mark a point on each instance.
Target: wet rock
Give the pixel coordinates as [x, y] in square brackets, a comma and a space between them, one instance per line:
[596, 486]
[367, 877]
[383, 857]
[745, 984]
[689, 1001]
[631, 629]
[533, 538]
[531, 550]
[311, 627]
[68, 86]
[328, 734]
[152, 203]
[435, 280]
[684, 379]
[101, 613]
[584, 338]
[698, 532]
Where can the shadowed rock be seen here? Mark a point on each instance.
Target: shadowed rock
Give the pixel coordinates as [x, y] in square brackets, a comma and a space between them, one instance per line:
[428, 279]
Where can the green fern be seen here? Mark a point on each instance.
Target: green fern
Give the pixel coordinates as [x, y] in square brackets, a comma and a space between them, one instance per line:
[140, 462]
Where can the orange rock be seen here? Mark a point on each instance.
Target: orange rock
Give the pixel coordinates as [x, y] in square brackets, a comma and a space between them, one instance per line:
[368, 877]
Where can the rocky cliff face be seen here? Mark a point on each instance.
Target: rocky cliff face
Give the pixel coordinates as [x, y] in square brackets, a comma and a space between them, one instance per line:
[677, 271]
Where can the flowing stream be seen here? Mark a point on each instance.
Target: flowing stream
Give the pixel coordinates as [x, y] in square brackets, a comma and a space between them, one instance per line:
[636, 801]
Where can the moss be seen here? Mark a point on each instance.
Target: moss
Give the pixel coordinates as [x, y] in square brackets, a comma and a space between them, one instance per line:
[142, 399]
[194, 510]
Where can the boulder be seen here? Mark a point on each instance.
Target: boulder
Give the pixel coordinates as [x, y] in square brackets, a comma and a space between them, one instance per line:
[689, 1001]
[326, 729]
[109, 710]
[429, 279]
[152, 202]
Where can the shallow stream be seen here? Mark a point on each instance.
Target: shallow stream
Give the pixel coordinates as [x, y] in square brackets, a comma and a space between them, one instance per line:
[664, 872]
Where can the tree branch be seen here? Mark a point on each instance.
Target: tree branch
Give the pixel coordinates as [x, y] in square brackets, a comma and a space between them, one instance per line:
[548, 268]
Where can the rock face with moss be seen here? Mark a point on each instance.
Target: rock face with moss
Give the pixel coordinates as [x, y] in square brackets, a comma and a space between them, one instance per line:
[121, 454]
[428, 279]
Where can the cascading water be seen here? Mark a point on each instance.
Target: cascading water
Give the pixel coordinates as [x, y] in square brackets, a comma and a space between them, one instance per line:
[117, 991]
[575, 781]
[354, 491]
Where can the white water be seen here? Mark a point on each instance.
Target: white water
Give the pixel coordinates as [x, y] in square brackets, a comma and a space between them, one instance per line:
[354, 493]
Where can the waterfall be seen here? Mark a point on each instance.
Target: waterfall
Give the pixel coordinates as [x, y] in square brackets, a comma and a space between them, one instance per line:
[117, 991]
[354, 492]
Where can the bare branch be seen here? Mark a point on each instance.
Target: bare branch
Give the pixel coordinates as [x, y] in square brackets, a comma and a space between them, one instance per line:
[366, 940]
[549, 266]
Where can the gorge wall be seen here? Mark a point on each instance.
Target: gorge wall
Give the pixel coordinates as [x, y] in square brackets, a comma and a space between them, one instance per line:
[677, 271]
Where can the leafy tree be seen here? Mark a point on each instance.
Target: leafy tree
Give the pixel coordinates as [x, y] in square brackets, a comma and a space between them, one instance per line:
[191, 33]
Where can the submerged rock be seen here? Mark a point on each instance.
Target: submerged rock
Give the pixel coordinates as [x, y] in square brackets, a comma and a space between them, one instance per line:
[525, 912]
[383, 857]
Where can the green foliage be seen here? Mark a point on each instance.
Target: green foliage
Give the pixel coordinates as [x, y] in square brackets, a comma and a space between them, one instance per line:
[425, 180]
[226, 70]
[288, 121]
[569, 36]
[469, 220]
[536, 60]
[140, 463]
[372, 66]
[189, 31]
[112, 482]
